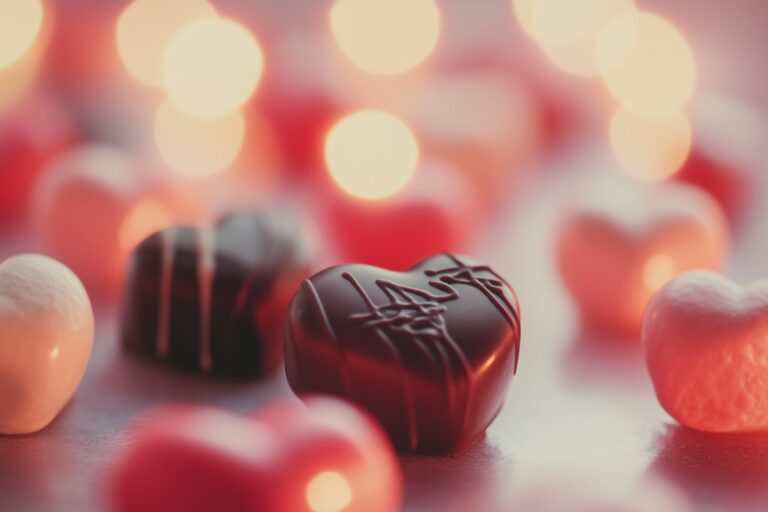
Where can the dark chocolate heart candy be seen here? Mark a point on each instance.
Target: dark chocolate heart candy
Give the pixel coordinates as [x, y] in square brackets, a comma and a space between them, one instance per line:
[429, 352]
[214, 299]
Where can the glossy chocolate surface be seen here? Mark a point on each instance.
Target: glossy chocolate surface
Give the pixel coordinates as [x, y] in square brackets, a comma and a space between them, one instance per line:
[429, 352]
[213, 299]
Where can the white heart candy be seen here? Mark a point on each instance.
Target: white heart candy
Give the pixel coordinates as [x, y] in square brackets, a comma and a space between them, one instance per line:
[46, 335]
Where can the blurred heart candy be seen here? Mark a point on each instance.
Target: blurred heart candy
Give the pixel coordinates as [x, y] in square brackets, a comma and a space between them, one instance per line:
[706, 345]
[327, 456]
[46, 334]
[435, 212]
[82, 56]
[94, 203]
[728, 150]
[214, 299]
[30, 135]
[492, 139]
[620, 243]
[298, 102]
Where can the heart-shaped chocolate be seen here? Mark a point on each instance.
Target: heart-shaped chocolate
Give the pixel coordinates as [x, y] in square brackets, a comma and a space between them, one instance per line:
[327, 456]
[429, 352]
[214, 300]
[706, 346]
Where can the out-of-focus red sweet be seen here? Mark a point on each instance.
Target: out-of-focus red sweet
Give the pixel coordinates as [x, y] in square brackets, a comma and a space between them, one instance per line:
[435, 213]
[297, 102]
[728, 185]
[340, 447]
[728, 148]
[483, 122]
[93, 204]
[621, 242]
[706, 346]
[557, 119]
[30, 134]
[322, 457]
[261, 159]
[82, 54]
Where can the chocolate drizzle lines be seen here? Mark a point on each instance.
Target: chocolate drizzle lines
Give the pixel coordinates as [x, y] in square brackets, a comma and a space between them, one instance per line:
[494, 288]
[162, 337]
[320, 311]
[419, 315]
[205, 273]
[410, 410]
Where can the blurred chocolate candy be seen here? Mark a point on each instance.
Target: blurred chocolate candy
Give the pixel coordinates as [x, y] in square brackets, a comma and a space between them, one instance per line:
[213, 299]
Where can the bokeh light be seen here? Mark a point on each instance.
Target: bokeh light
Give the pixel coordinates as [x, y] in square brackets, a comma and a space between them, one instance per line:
[20, 24]
[195, 146]
[211, 67]
[647, 64]
[568, 31]
[388, 37]
[144, 29]
[371, 154]
[650, 148]
[565, 22]
[17, 80]
[658, 270]
[523, 10]
[328, 491]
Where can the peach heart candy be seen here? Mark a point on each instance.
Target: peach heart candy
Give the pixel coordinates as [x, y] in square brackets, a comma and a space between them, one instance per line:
[46, 334]
[93, 204]
[706, 346]
[622, 242]
[327, 456]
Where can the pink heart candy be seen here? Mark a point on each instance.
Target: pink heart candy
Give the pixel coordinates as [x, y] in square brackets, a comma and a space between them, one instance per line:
[93, 204]
[706, 346]
[327, 456]
[620, 244]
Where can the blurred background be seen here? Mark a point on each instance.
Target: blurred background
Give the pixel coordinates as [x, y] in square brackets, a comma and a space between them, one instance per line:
[391, 130]
[452, 109]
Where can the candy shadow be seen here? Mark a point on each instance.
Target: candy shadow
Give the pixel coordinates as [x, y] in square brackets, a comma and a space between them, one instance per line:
[595, 358]
[714, 469]
[31, 469]
[140, 382]
[468, 481]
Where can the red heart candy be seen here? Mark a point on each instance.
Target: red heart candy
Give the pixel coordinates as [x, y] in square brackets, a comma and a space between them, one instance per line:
[706, 346]
[621, 243]
[325, 457]
[429, 352]
[30, 135]
[434, 213]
